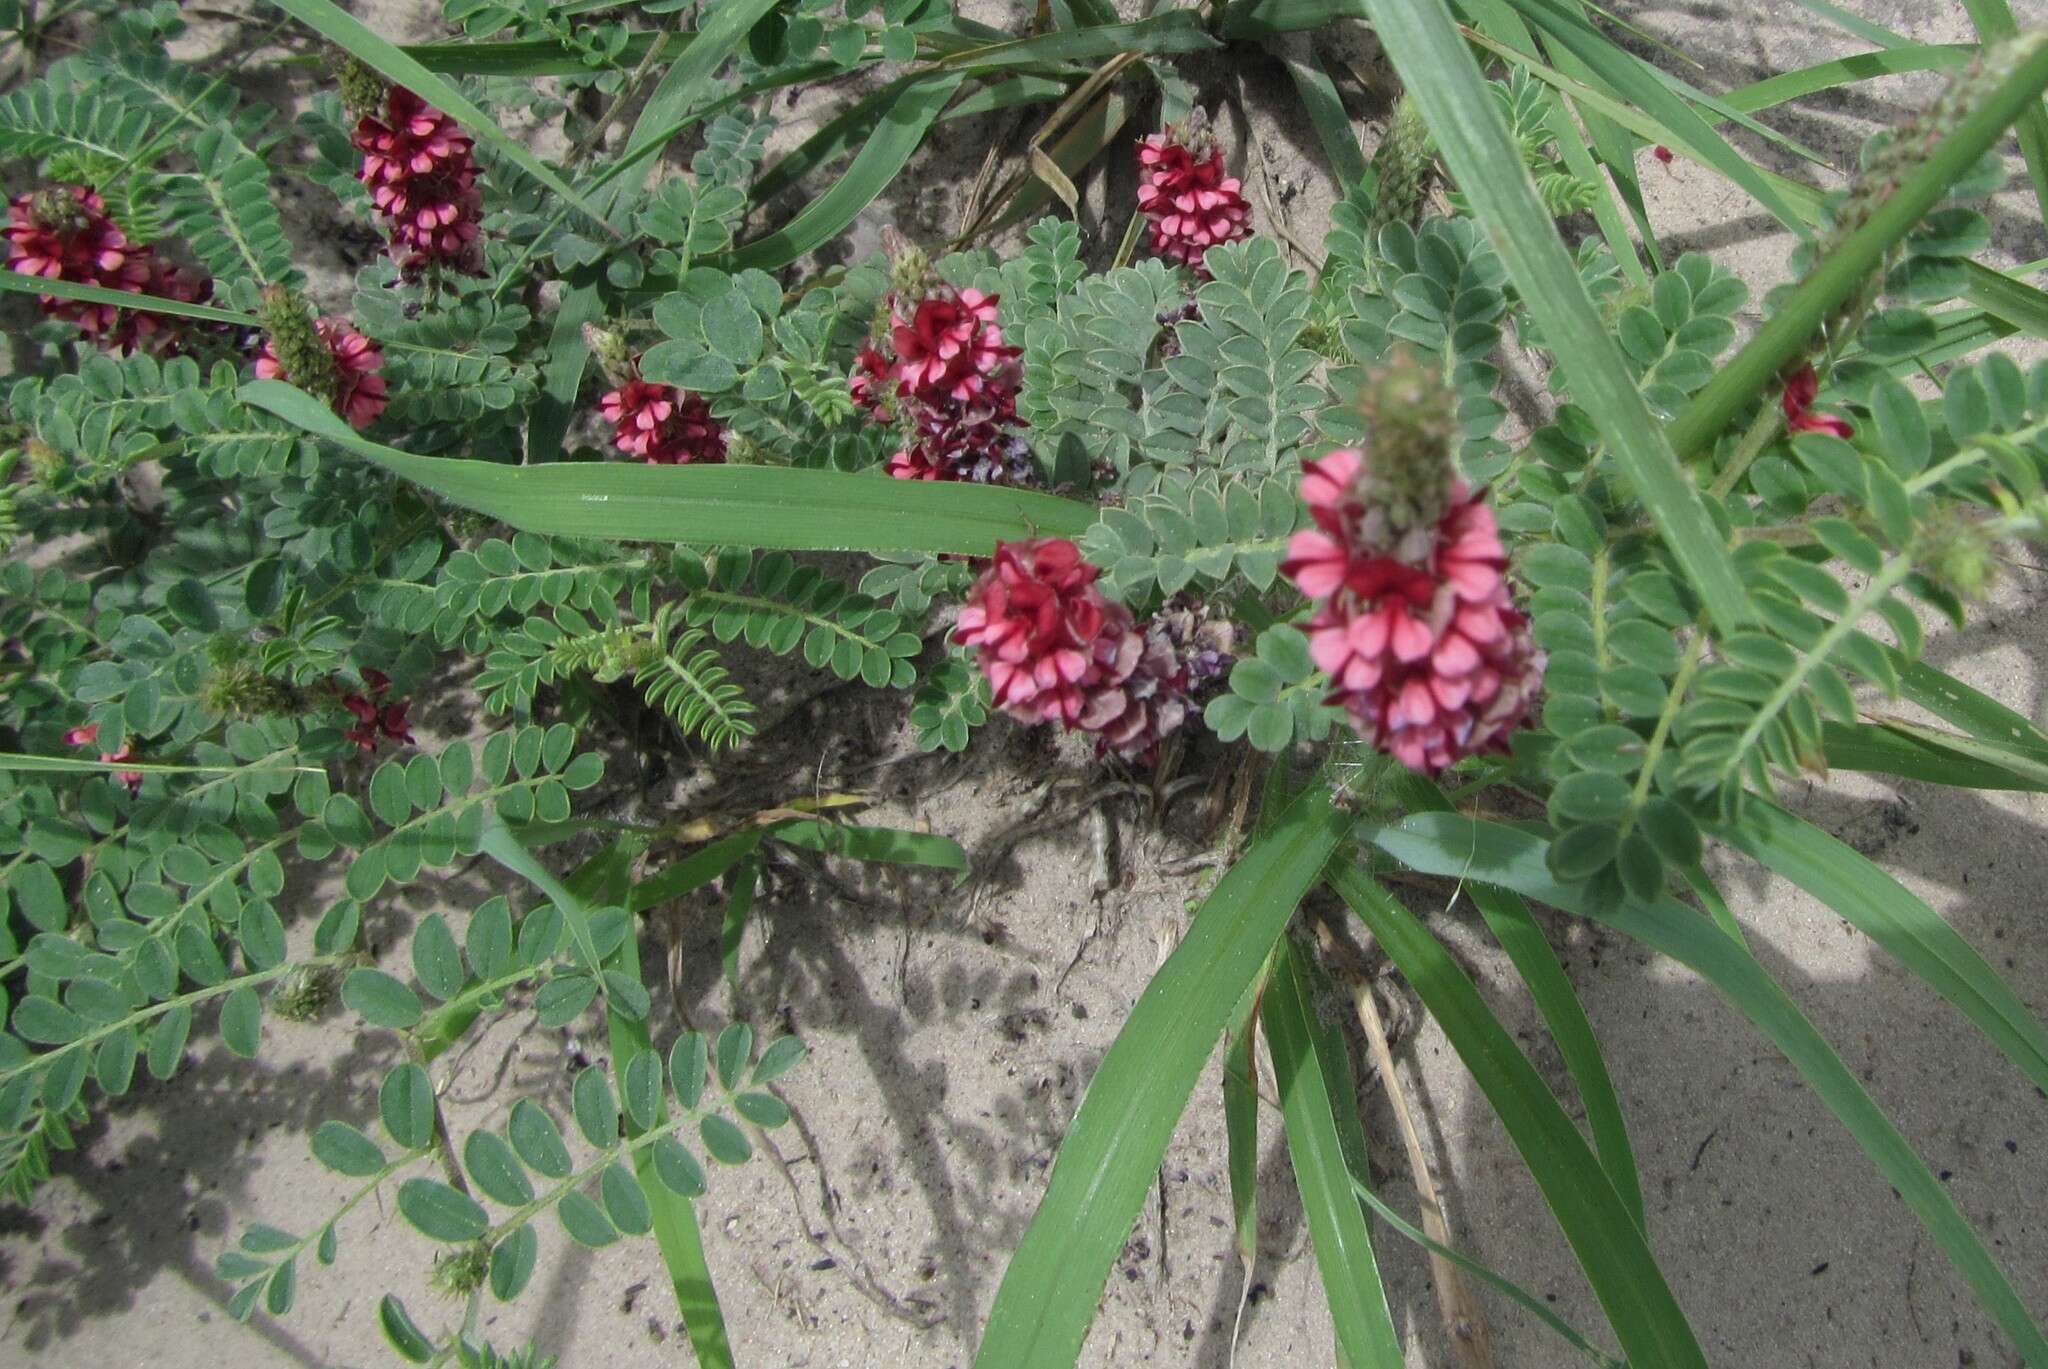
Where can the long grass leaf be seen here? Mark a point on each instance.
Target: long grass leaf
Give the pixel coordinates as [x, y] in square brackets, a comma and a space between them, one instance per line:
[738, 506]
[1114, 1144]
[122, 299]
[1786, 86]
[1456, 846]
[535, 56]
[676, 1233]
[1516, 929]
[1646, 1318]
[1241, 1125]
[1877, 35]
[1994, 24]
[880, 160]
[1635, 81]
[1176, 31]
[1792, 324]
[345, 31]
[1312, 1073]
[721, 28]
[1509, 1289]
[568, 357]
[1439, 71]
[1325, 110]
[1896, 919]
[1880, 750]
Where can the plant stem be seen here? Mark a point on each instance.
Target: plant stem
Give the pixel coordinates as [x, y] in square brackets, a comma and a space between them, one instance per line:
[1755, 438]
[154, 1010]
[1694, 651]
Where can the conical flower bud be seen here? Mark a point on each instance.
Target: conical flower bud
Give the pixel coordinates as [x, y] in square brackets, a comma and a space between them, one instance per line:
[1403, 164]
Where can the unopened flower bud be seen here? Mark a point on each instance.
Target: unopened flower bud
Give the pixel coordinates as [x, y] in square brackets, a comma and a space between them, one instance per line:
[302, 354]
[614, 356]
[362, 88]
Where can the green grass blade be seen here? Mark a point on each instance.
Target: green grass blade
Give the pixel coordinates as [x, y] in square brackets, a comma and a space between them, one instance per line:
[1879, 750]
[337, 26]
[1113, 1146]
[1842, 71]
[1497, 20]
[1646, 1318]
[695, 870]
[554, 409]
[1854, 24]
[884, 845]
[534, 56]
[1439, 71]
[1791, 327]
[2002, 294]
[1703, 888]
[1319, 100]
[675, 1218]
[1176, 31]
[1241, 1124]
[122, 299]
[1518, 933]
[1930, 756]
[1455, 846]
[1629, 77]
[1994, 24]
[722, 27]
[1896, 919]
[880, 160]
[1312, 1073]
[738, 506]
[1509, 1289]
[1976, 712]
[24, 762]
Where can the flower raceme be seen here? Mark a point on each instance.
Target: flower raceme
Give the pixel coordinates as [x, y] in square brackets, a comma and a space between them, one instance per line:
[90, 734]
[1184, 192]
[420, 169]
[942, 371]
[376, 719]
[1414, 624]
[1802, 387]
[662, 425]
[1054, 649]
[360, 394]
[64, 233]
[950, 350]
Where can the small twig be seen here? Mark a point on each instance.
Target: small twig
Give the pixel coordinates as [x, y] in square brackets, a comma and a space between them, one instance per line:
[1471, 1337]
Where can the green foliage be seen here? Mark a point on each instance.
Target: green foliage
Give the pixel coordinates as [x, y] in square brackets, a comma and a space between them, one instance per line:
[236, 591]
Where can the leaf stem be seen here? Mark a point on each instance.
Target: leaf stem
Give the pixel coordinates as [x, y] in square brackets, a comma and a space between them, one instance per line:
[219, 990]
[1888, 577]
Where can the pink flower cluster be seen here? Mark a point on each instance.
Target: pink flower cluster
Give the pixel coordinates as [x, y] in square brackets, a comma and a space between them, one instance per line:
[1191, 203]
[375, 719]
[360, 394]
[1418, 634]
[90, 735]
[951, 380]
[662, 425]
[1055, 649]
[421, 171]
[1801, 389]
[63, 233]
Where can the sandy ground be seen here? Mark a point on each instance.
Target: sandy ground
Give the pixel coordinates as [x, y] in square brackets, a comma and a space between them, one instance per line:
[951, 1041]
